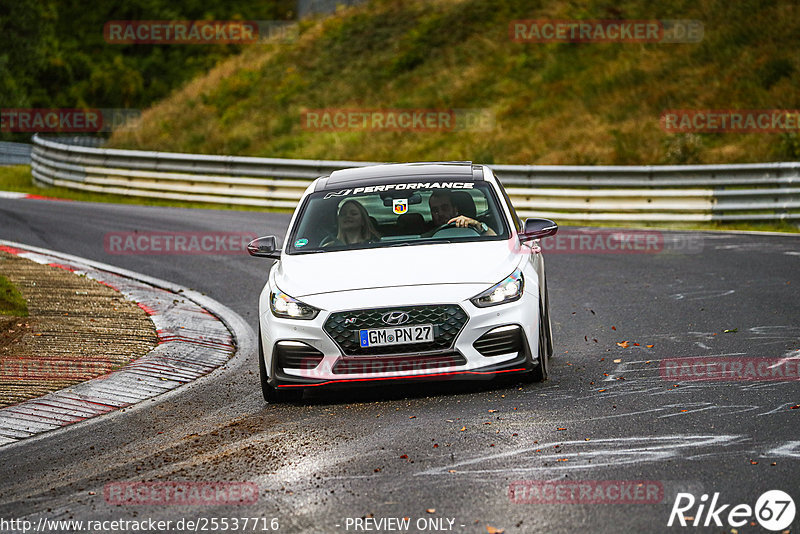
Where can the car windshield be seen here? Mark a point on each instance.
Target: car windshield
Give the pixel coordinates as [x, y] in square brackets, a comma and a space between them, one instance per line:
[400, 214]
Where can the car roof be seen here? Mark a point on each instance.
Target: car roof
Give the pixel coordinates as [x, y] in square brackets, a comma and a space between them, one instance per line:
[463, 171]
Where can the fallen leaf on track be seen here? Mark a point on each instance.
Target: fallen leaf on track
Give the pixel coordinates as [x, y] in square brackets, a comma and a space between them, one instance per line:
[624, 344]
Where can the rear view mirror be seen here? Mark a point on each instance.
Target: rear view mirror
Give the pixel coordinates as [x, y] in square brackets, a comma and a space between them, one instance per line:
[413, 198]
[537, 229]
[264, 247]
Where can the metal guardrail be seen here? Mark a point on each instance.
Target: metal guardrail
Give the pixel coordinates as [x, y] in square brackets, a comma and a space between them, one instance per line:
[686, 193]
[15, 153]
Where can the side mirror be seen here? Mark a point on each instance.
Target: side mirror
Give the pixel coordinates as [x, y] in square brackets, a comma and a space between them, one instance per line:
[264, 247]
[537, 229]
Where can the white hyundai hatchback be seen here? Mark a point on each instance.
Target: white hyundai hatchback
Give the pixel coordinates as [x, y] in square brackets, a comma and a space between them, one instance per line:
[403, 272]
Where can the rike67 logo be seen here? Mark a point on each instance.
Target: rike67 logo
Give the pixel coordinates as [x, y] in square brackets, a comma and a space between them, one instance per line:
[774, 510]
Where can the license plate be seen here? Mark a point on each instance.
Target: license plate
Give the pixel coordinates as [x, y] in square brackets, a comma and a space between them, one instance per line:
[399, 335]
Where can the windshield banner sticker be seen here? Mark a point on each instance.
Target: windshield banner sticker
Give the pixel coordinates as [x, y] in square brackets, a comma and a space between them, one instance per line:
[399, 187]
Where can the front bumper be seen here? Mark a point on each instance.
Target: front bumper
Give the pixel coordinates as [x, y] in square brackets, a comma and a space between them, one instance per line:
[320, 358]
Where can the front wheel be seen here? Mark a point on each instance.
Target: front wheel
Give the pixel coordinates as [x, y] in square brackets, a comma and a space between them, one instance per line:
[272, 394]
[548, 324]
[541, 371]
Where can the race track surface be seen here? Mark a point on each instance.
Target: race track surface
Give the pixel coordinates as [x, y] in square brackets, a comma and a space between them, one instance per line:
[454, 448]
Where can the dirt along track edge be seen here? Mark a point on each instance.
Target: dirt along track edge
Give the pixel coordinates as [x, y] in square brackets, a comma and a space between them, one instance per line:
[197, 335]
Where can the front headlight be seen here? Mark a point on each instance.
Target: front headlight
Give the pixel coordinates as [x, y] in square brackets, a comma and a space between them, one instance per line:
[508, 290]
[286, 307]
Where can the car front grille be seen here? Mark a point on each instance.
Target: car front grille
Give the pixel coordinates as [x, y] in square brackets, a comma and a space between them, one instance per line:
[503, 340]
[405, 364]
[447, 321]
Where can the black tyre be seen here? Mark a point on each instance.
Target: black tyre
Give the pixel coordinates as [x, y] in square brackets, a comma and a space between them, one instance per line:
[540, 372]
[548, 324]
[271, 394]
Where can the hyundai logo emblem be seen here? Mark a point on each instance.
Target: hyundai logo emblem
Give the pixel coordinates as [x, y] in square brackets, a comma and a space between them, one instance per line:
[395, 318]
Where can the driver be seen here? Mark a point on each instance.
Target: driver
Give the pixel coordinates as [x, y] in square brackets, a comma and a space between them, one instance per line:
[444, 211]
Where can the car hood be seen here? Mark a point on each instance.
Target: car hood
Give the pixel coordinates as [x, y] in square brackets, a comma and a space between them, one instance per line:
[484, 263]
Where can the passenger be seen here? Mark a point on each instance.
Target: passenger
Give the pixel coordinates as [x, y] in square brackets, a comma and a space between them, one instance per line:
[444, 211]
[354, 226]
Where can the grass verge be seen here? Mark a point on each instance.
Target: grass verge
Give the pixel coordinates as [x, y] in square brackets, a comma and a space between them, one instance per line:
[18, 179]
[11, 301]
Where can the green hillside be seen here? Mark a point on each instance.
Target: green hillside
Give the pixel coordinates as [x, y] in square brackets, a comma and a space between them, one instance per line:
[554, 103]
[54, 53]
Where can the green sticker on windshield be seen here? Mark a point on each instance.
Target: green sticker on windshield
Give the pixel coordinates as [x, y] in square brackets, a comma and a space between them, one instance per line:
[301, 243]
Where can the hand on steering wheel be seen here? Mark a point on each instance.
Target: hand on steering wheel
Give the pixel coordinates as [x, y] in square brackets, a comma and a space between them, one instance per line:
[462, 221]
[454, 223]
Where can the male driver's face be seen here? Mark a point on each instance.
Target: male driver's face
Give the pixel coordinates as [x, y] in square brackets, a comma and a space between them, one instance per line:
[442, 209]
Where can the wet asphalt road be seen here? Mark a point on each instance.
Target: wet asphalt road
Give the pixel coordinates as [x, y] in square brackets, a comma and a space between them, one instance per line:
[446, 455]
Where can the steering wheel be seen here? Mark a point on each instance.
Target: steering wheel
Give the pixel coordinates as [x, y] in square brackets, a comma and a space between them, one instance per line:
[447, 226]
[327, 241]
